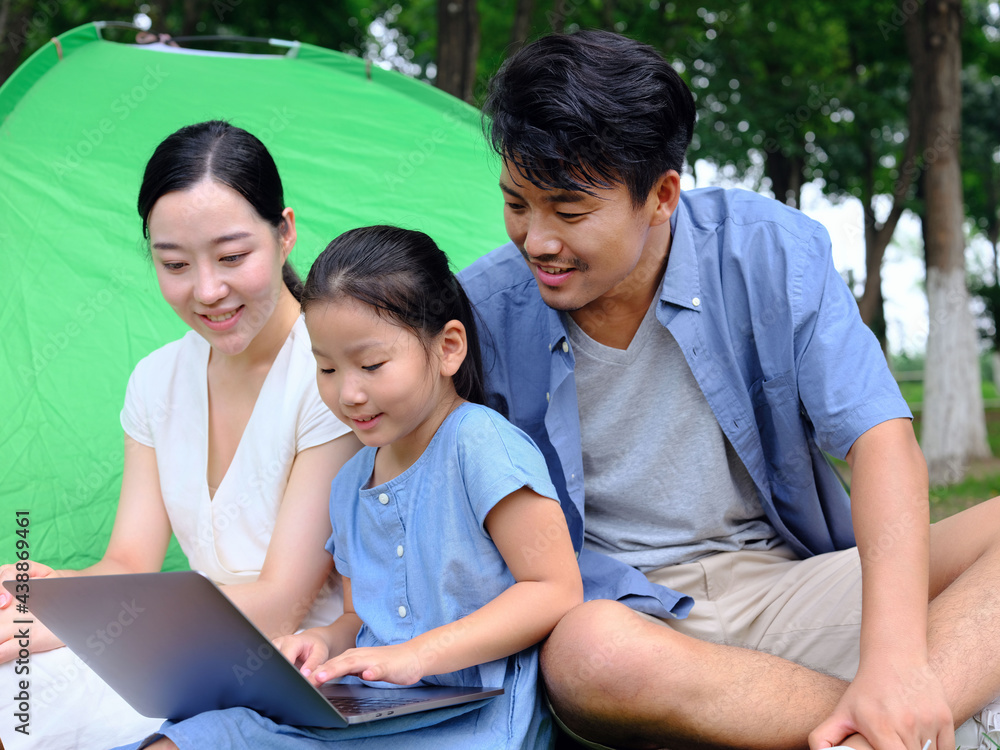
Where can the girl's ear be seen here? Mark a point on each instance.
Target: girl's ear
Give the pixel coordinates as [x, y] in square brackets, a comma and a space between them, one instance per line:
[452, 346]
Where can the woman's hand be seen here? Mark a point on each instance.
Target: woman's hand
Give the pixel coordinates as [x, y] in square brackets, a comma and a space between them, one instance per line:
[11, 571]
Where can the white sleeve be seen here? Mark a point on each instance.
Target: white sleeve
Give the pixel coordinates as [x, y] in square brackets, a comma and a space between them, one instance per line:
[135, 412]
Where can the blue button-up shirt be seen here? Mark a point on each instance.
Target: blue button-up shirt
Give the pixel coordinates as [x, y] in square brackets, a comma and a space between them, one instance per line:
[769, 330]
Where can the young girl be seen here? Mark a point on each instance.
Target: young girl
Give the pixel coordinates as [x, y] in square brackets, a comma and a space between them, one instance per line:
[455, 559]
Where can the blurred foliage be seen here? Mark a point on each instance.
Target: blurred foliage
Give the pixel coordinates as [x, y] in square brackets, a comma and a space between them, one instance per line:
[787, 92]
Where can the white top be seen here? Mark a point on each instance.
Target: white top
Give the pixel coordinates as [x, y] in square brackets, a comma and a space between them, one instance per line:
[166, 408]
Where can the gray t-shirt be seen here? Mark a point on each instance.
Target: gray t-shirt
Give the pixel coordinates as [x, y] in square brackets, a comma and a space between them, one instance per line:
[662, 483]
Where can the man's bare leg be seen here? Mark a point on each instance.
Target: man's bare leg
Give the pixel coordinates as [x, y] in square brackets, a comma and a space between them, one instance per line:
[964, 618]
[616, 678]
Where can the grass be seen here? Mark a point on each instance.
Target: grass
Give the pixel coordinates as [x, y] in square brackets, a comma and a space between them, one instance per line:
[983, 478]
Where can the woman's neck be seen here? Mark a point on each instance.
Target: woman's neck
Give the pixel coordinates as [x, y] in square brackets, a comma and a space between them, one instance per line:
[262, 350]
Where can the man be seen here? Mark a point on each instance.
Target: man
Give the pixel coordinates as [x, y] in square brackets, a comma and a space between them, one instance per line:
[683, 361]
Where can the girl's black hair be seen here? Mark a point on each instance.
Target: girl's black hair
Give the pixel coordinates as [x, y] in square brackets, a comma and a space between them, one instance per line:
[405, 276]
[225, 154]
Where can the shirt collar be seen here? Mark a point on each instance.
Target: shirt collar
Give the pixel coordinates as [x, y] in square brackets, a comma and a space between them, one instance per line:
[681, 285]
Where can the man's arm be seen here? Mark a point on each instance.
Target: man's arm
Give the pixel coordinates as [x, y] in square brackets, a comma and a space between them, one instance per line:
[895, 701]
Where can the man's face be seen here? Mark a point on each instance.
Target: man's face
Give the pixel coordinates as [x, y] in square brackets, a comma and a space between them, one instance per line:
[585, 251]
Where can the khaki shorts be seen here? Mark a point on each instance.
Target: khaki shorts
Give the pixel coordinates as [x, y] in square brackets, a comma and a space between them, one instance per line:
[808, 611]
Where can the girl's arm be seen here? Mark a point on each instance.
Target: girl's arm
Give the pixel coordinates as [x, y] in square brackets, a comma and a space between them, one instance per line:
[530, 532]
[297, 563]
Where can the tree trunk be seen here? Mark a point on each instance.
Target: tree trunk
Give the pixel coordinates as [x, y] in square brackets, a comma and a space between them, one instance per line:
[608, 14]
[557, 16]
[15, 34]
[457, 47]
[954, 423]
[877, 236]
[521, 27]
[785, 173]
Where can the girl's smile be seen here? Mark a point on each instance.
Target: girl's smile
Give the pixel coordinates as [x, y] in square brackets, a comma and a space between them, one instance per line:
[390, 387]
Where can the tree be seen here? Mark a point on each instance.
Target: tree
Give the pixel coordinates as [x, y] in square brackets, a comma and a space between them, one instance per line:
[339, 25]
[954, 424]
[457, 47]
[981, 129]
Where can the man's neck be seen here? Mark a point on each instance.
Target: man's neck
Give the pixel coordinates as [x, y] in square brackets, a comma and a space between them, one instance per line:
[614, 318]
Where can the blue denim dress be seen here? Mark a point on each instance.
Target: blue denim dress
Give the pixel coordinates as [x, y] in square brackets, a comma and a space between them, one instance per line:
[419, 557]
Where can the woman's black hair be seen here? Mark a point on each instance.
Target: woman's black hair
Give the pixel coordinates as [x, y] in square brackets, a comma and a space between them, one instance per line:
[590, 109]
[405, 276]
[225, 154]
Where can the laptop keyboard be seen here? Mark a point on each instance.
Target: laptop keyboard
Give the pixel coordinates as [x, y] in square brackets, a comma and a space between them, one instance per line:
[353, 706]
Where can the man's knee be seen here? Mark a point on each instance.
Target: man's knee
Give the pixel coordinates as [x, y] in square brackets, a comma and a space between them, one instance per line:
[601, 645]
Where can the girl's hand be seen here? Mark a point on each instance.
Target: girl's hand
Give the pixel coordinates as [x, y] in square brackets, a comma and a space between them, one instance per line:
[305, 650]
[10, 572]
[397, 664]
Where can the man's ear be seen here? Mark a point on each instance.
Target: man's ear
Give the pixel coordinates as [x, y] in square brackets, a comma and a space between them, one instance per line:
[664, 195]
[453, 346]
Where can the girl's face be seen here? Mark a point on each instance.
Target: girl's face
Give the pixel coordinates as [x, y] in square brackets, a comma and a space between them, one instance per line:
[218, 262]
[379, 378]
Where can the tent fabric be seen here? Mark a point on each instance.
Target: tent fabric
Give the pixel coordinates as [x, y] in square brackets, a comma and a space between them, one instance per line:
[80, 304]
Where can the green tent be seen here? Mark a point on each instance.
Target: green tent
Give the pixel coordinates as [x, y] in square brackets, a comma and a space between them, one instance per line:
[79, 306]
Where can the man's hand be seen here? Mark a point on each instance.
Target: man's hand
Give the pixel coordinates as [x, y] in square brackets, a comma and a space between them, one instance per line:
[397, 664]
[894, 707]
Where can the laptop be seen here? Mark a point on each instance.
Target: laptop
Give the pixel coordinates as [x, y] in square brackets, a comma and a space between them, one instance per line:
[173, 645]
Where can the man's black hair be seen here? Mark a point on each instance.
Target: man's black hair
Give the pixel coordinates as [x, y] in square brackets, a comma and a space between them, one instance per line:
[589, 109]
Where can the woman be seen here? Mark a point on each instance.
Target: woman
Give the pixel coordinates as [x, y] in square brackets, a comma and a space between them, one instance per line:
[227, 443]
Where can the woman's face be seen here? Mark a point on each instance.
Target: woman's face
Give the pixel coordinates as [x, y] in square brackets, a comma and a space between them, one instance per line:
[218, 262]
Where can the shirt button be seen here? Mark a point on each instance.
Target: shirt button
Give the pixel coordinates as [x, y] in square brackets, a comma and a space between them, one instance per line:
[399, 551]
[402, 611]
[547, 397]
[565, 346]
[696, 301]
[383, 498]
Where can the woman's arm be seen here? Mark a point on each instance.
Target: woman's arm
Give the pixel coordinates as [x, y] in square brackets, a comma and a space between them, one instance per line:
[312, 647]
[138, 543]
[297, 563]
[530, 532]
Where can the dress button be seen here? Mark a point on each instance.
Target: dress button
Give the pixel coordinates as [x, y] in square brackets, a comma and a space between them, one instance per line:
[383, 498]
[402, 611]
[696, 301]
[565, 346]
[399, 551]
